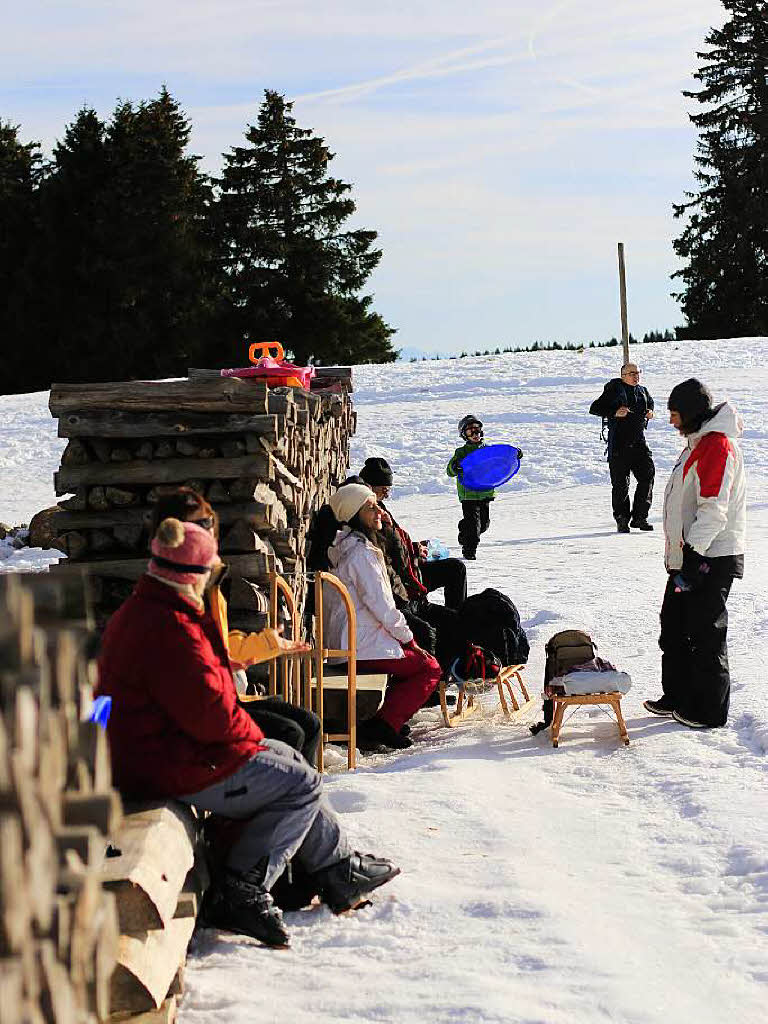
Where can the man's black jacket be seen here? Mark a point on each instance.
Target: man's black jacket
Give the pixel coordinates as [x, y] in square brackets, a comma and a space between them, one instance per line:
[629, 429]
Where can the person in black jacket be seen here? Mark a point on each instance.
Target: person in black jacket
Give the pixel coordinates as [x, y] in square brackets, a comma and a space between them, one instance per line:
[628, 406]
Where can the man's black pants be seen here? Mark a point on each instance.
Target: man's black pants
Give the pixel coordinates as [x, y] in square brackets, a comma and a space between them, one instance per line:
[450, 573]
[637, 460]
[475, 520]
[694, 660]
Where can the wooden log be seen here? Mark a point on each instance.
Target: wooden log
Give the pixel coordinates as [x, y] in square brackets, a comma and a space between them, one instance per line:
[233, 448]
[57, 998]
[223, 395]
[242, 537]
[172, 471]
[102, 810]
[165, 450]
[100, 541]
[256, 566]
[145, 450]
[121, 455]
[12, 988]
[157, 851]
[116, 423]
[129, 536]
[83, 842]
[166, 1014]
[15, 905]
[120, 497]
[77, 502]
[97, 497]
[147, 964]
[74, 544]
[247, 596]
[75, 454]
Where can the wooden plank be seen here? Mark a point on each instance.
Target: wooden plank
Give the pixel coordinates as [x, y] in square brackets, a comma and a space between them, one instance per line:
[172, 471]
[157, 851]
[260, 515]
[103, 810]
[174, 396]
[147, 964]
[253, 566]
[116, 423]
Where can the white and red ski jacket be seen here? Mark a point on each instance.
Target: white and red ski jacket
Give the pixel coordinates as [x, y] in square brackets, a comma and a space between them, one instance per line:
[705, 501]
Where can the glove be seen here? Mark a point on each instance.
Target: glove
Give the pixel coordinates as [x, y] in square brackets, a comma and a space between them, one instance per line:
[694, 571]
[519, 454]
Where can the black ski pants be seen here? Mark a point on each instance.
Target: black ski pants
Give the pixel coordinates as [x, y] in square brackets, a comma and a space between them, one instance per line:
[476, 518]
[449, 573]
[635, 459]
[694, 659]
[279, 720]
[436, 629]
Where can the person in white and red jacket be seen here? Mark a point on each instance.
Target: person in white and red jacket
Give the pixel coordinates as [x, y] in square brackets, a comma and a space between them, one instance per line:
[705, 539]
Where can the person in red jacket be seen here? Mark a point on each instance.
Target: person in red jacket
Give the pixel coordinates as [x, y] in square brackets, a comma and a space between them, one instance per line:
[176, 730]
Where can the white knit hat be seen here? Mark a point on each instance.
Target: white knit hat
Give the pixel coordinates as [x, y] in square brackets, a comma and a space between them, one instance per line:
[348, 500]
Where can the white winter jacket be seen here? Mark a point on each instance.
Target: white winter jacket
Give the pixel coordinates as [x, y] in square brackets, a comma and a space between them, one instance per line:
[705, 499]
[381, 628]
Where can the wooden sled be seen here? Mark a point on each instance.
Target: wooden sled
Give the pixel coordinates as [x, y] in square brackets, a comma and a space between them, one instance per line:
[561, 702]
[466, 704]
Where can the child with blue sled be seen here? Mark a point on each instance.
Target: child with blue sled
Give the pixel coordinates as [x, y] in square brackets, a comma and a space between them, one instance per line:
[475, 504]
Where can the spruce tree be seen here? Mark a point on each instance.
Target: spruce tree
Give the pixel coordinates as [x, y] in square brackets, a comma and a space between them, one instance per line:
[128, 259]
[21, 170]
[293, 271]
[724, 245]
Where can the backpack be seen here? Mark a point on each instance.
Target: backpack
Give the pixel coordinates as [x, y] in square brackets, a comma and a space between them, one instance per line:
[475, 669]
[491, 621]
[565, 649]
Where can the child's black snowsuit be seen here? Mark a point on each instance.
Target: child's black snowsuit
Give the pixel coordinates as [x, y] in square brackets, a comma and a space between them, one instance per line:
[475, 505]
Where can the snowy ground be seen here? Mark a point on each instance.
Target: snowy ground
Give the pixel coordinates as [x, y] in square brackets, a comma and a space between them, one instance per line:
[590, 883]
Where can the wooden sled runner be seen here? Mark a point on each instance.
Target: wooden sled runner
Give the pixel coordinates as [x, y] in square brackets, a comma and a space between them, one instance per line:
[561, 702]
[466, 704]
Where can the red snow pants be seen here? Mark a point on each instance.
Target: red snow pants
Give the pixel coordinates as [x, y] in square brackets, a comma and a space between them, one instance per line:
[412, 679]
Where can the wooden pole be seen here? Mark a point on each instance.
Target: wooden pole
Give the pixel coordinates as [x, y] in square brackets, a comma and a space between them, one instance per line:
[623, 302]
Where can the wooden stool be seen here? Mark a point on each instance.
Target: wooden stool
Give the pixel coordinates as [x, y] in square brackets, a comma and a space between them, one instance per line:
[561, 702]
[466, 704]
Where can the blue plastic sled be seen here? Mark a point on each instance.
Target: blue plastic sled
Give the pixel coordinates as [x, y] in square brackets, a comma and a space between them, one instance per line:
[489, 467]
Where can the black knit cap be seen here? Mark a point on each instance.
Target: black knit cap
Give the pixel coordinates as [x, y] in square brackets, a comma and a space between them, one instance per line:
[693, 401]
[377, 472]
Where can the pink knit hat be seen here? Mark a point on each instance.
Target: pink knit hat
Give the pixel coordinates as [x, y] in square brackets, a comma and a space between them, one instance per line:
[182, 552]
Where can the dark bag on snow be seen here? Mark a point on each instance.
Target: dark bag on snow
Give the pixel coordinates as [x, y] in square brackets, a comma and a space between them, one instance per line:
[491, 621]
[565, 649]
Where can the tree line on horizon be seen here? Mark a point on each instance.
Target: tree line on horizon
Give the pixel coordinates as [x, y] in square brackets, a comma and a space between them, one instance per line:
[120, 259]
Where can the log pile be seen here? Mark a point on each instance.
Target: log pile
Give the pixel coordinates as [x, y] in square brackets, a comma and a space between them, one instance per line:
[264, 458]
[58, 925]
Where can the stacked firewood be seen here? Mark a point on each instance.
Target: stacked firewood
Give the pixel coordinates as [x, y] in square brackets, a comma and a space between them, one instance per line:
[58, 925]
[264, 458]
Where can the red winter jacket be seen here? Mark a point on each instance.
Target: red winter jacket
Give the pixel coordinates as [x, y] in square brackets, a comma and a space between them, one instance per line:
[175, 726]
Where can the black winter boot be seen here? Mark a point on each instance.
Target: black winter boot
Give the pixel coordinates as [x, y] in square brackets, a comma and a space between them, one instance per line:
[376, 733]
[343, 885]
[622, 524]
[238, 903]
[640, 524]
[294, 889]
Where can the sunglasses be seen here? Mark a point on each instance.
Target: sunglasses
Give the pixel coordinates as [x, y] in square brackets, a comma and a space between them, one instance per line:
[206, 522]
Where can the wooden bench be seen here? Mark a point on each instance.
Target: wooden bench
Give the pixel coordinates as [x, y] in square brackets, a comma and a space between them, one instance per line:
[466, 704]
[562, 701]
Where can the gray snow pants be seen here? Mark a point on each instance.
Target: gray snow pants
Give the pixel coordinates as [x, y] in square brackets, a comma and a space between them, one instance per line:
[280, 799]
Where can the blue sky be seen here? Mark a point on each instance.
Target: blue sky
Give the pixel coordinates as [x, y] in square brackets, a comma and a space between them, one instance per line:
[500, 149]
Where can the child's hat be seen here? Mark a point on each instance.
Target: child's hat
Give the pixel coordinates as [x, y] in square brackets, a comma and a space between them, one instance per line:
[182, 552]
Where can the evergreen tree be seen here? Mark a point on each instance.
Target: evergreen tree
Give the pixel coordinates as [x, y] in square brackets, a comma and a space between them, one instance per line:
[725, 242]
[21, 170]
[293, 272]
[128, 257]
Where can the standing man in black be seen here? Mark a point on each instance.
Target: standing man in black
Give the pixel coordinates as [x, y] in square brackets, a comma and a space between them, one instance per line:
[628, 407]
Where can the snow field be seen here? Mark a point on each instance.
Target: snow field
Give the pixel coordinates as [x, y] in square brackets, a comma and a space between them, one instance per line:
[586, 884]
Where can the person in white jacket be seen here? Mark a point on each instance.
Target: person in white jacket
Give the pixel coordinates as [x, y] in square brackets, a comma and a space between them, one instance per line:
[705, 538]
[384, 641]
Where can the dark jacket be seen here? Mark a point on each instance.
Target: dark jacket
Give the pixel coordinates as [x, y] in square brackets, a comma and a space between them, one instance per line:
[402, 560]
[629, 429]
[175, 726]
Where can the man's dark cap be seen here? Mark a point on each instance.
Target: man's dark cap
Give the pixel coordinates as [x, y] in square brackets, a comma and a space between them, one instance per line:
[693, 401]
[377, 473]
